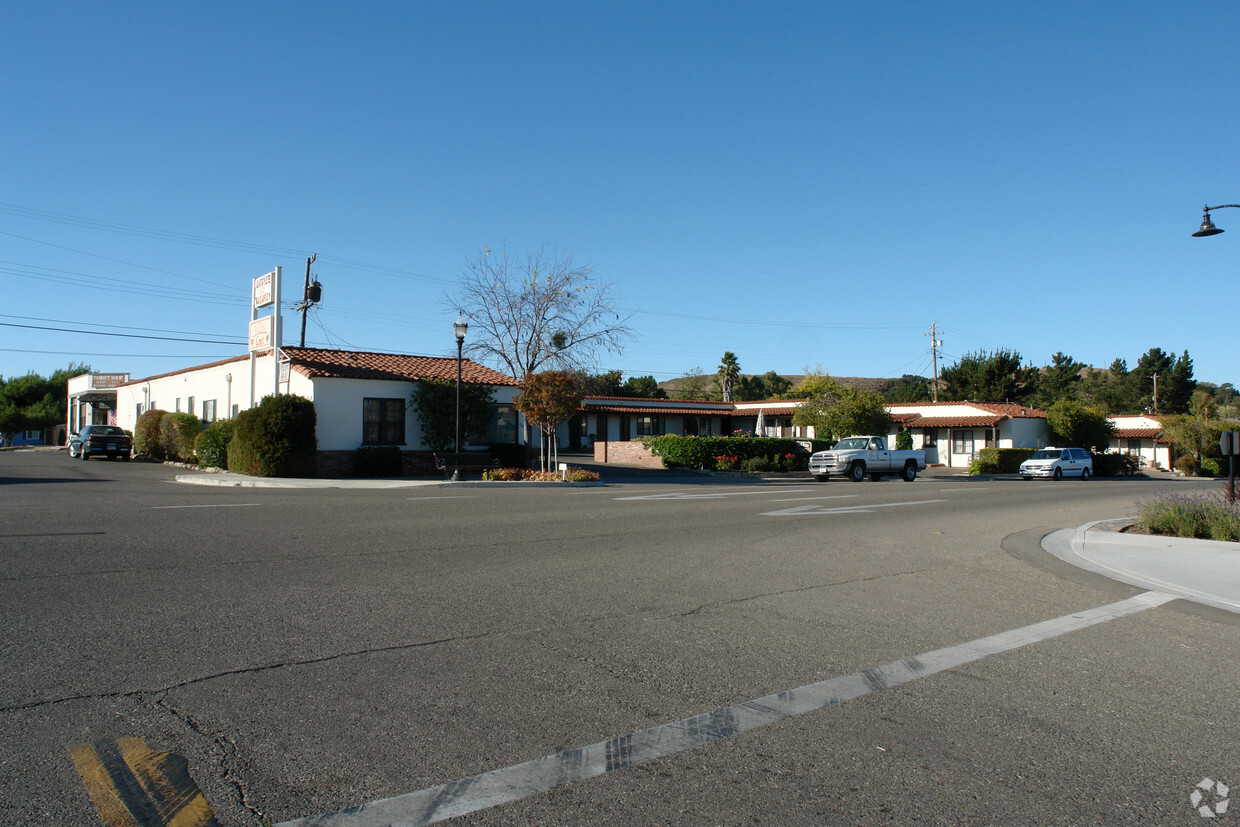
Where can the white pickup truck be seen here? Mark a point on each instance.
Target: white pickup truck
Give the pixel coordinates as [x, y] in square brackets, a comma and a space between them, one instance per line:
[857, 456]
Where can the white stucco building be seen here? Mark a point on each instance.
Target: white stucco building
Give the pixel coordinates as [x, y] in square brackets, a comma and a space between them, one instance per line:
[359, 398]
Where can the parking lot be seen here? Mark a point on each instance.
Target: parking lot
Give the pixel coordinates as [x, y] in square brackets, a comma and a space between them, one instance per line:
[311, 650]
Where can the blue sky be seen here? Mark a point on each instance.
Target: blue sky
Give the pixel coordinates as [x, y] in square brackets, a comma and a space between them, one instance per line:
[804, 184]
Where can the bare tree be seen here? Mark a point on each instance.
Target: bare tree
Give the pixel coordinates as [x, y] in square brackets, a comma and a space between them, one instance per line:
[542, 310]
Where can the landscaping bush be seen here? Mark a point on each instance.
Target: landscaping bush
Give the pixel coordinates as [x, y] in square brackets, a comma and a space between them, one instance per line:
[999, 460]
[378, 461]
[534, 475]
[148, 434]
[1116, 465]
[904, 441]
[178, 433]
[1207, 516]
[755, 464]
[1187, 465]
[211, 447]
[1209, 467]
[276, 439]
[720, 453]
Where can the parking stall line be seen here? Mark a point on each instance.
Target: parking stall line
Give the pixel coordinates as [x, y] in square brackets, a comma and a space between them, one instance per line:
[859, 508]
[204, 505]
[520, 781]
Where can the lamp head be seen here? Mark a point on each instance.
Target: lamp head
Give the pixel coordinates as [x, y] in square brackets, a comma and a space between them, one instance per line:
[1207, 227]
[459, 327]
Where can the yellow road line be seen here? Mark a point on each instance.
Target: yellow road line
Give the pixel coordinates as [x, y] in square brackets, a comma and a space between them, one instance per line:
[133, 786]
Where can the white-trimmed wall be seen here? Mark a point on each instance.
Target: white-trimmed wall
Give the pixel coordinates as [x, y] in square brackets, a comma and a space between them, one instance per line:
[337, 402]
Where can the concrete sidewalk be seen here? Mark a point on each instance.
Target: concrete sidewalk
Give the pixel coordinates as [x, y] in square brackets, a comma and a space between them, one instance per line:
[1204, 571]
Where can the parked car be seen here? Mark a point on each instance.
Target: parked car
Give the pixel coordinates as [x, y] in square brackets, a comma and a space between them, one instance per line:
[857, 456]
[101, 439]
[1058, 463]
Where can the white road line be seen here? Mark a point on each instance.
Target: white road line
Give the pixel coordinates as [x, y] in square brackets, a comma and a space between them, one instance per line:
[489, 789]
[448, 497]
[713, 495]
[206, 505]
[980, 488]
[831, 497]
[802, 510]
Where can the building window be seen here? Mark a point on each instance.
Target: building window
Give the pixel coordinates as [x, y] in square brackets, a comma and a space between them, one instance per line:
[930, 437]
[698, 426]
[137, 410]
[236, 408]
[208, 410]
[962, 442]
[383, 421]
[177, 407]
[503, 425]
[189, 405]
[649, 426]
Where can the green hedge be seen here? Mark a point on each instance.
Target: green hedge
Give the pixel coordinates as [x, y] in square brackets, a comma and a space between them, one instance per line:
[999, 460]
[178, 433]
[148, 439]
[276, 439]
[211, 447]
[1115, 465]
[678, 451]
[378, 461]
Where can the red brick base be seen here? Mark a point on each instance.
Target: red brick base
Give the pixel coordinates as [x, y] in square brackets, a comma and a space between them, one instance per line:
[626, 453]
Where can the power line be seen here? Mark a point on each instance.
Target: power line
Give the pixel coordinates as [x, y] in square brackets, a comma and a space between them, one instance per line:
[236, 341]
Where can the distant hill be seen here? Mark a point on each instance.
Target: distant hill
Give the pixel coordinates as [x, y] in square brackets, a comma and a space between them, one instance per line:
[673, 386]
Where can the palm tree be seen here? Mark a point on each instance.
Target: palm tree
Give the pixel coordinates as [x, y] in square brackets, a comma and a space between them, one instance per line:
[729, 371]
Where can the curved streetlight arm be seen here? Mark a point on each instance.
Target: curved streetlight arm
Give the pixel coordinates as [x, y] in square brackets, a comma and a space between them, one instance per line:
[1207, 226]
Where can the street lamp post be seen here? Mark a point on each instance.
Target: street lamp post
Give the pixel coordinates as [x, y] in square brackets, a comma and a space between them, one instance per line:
[1207, 228]
[459, 328]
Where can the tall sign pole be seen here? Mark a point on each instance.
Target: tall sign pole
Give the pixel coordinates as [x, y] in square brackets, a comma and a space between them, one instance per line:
[277, 337]
[266, 331]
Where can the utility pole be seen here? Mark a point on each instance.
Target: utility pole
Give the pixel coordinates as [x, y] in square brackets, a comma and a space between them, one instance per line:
[309, 297]
[935, 344]
[1155, 393]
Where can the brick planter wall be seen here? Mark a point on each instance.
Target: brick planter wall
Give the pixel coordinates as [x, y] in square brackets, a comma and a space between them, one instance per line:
[626, 453]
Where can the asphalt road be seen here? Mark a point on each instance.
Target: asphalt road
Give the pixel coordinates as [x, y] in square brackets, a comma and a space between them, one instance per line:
[312, 650]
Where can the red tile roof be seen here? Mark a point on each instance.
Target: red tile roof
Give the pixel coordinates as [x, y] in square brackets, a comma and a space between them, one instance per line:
[1137, 433]
[316, 363]
[955, 421]
[626, 409]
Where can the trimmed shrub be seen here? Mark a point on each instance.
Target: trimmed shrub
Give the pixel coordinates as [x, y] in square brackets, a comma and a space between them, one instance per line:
[999, 460]
[755, 464]
[178, 433]
[211, 447]
[1209, 467]
[719, 453]
[1115, 465]
[534, 475]
[904, 441]
[276, 439]
[1187, 465]
[148, 437]
[378, 461]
